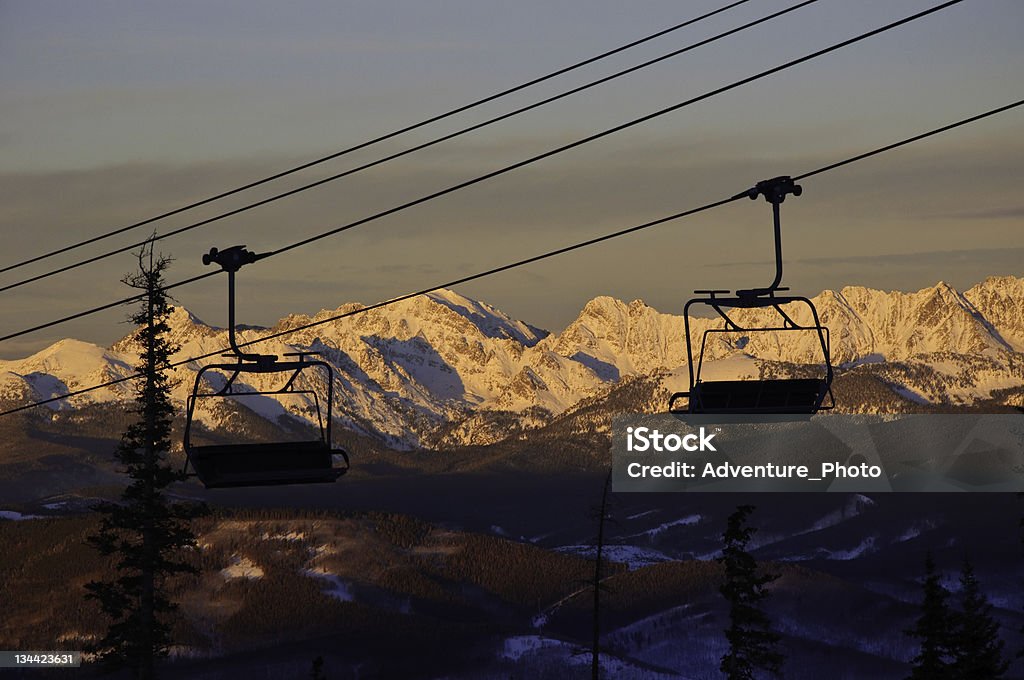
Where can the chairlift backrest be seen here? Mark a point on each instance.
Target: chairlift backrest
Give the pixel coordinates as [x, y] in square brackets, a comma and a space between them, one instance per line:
[785, 395]
[267, 463]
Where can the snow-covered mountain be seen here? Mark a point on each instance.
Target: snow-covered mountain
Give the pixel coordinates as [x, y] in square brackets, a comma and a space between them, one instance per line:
[442, 363]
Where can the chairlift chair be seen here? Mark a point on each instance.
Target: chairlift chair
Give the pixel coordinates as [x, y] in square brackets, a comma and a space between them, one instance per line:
[268, 463]
[777, 395]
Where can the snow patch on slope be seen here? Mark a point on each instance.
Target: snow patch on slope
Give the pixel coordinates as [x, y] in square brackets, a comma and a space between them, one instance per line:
[443, 368]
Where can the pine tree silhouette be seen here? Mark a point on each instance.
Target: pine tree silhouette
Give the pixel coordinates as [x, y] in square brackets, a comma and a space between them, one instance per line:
[935, 628]
[977, 648]
[144, 531]
[752, 644]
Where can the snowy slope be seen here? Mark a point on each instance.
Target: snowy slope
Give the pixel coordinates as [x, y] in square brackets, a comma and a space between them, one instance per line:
[440, 363]
[65, 366]
[998, 300]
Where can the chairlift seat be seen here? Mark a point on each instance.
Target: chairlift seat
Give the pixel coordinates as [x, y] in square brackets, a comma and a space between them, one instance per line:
[268, 463]
[786, 395]
[795, 395]
[265, 464]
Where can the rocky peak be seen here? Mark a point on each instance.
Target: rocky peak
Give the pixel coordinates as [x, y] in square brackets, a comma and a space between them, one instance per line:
[427, 362]
[1000, 301]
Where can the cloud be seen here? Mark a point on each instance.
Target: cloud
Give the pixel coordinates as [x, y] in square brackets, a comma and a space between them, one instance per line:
[994, 257]
[1014, 212]
[998, 259]
[583, 194]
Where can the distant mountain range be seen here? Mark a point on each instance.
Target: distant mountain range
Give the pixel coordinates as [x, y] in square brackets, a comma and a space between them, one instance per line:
[444, 370]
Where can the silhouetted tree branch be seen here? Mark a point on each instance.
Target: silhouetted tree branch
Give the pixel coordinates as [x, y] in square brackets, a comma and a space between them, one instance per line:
[144, 531]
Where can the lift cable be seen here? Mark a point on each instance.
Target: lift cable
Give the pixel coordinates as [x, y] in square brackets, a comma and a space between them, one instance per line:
[404, 152]
[109, 305]
[376, 140]
[552, 152]
[530, 260]
[909, 140]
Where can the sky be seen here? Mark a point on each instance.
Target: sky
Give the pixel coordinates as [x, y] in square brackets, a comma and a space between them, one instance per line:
[115, 111]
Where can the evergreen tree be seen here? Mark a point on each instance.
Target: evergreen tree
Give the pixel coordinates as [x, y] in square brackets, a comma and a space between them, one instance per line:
[144, 531]
[935, 629]
[752, 644]
[977, 648]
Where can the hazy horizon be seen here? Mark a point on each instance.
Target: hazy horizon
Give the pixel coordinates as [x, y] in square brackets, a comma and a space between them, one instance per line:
[118, 111]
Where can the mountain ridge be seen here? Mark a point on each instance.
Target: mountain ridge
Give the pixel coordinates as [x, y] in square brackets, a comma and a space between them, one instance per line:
[424, 365]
